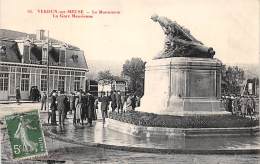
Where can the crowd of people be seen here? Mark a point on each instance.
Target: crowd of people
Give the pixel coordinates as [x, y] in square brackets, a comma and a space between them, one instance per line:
[240, 105]
[119, 102]
[84, 106]
[80, 104]
[35, 94]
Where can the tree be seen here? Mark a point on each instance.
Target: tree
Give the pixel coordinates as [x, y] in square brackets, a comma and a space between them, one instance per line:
[134, 70]
[105, 77]
[234, 78]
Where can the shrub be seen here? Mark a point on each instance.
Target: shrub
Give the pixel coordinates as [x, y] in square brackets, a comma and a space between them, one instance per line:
[196, 121]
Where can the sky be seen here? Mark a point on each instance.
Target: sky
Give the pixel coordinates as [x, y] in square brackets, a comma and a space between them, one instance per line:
[231, 27]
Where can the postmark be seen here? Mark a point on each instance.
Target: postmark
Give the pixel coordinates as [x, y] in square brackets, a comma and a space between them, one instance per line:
[26, 135]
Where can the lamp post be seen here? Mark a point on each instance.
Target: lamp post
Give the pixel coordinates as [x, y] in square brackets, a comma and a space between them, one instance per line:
[48, 72]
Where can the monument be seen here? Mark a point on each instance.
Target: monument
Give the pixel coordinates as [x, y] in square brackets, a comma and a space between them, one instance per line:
[183, 79]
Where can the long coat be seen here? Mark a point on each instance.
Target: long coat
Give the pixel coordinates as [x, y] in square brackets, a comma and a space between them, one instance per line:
[104, 103]
[53, 109]
[133, 102]
[113, 101]
[118, 101]
[72, 103]
[229, 104]
[78, 106]
[250, 105]
[90, 107]
[53, 103]
[61, 103]
[129, 104]
[84, 107]
[18, 94]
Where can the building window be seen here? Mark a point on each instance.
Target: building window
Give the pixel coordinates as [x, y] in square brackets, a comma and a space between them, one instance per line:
[4, 68]
[61, 83]
[75, 58]
[44, 54]
[3, 50]
[12, 69]
[44, 71]
[62, 57]
[77, 73]
[25, 82]
[62, 72]
[25, 70]
[3, 81]
[77, 83]
[18, 69]
[43, 82]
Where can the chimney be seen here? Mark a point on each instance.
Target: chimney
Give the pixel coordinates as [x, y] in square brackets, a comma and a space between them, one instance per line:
[40, 35]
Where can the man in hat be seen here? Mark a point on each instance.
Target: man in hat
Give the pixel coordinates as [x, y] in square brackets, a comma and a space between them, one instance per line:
[18, 95]
[113, 101]
[61, 102]
[90, 108]
[104, 106]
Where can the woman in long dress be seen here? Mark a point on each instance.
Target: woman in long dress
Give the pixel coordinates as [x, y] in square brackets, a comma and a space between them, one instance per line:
[95, 108]
[78, 106]
[104, 106]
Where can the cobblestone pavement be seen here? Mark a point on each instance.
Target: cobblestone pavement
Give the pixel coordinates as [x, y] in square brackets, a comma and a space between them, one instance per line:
[63, 152]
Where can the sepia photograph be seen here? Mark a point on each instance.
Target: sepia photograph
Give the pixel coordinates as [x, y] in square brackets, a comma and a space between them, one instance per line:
[117, 81]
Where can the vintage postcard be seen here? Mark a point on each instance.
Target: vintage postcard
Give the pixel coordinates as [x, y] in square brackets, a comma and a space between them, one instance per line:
[119, 81]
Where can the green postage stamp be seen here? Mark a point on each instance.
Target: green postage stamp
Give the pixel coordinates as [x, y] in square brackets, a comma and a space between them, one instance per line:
[26, 135]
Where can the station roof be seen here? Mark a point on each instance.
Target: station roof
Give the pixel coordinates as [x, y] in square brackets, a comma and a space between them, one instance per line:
[9, 51]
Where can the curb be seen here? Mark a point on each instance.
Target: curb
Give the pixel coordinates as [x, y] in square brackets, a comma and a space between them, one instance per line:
[165, 132]
[155, 150]
[14, 102]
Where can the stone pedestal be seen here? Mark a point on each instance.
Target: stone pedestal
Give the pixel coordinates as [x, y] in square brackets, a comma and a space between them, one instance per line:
[182, 86]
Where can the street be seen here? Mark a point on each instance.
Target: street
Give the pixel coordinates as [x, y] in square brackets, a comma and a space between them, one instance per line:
[66, 152]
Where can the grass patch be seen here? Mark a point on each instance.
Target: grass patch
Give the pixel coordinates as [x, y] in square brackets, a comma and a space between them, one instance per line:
[197, 121]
